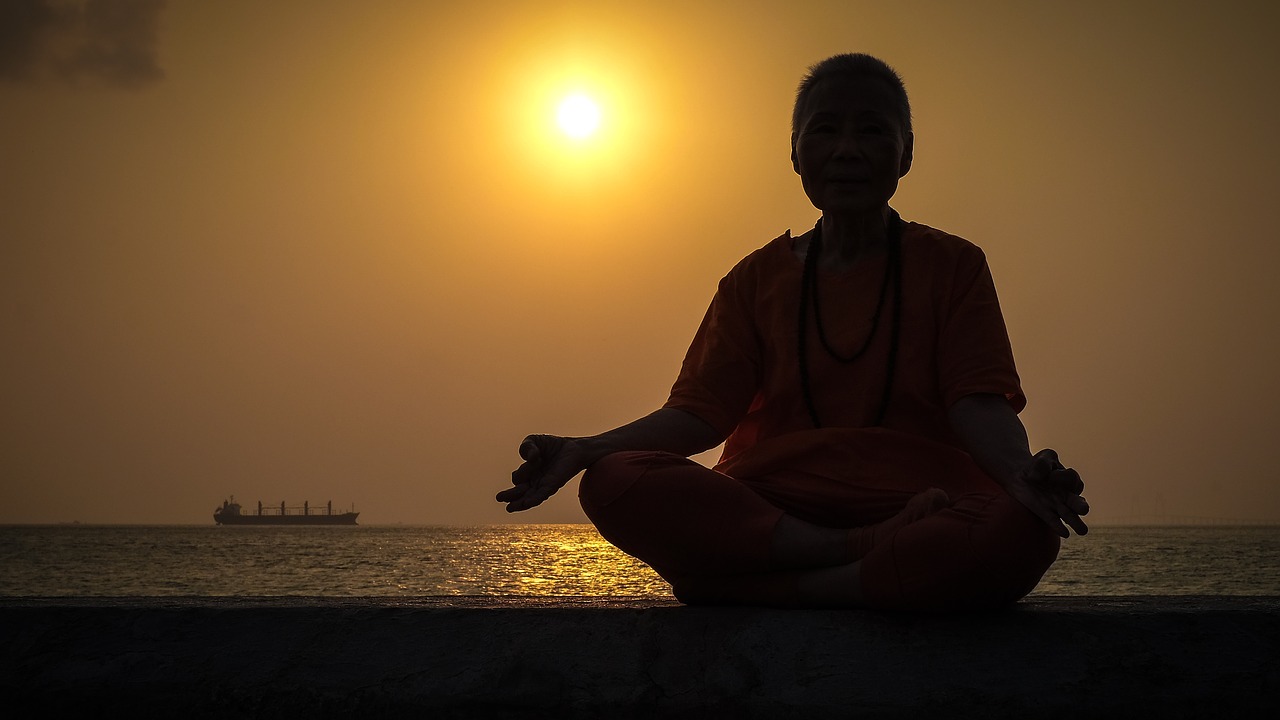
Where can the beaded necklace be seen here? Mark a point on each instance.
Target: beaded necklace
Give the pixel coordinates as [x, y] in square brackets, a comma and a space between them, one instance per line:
[809, 290]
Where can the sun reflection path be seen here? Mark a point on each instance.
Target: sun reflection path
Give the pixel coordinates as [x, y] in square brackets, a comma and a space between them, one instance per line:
[545, 560]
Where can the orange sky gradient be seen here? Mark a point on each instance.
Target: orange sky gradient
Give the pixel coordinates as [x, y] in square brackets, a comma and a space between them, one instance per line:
[340, 251]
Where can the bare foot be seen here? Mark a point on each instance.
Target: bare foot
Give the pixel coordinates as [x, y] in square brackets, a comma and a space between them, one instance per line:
[862, 539]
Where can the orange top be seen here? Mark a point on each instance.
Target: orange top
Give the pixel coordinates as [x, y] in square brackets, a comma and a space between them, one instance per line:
[741, 373]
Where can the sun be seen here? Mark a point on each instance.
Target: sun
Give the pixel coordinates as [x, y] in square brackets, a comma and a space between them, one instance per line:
[578, 116]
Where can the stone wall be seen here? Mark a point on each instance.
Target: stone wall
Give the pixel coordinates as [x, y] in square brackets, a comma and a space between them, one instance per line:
[581, 658]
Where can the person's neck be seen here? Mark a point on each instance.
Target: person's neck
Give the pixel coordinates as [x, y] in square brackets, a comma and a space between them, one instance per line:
[847, 236]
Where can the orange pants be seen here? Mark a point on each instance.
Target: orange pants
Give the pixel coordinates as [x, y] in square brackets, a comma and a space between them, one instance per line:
[710, 535]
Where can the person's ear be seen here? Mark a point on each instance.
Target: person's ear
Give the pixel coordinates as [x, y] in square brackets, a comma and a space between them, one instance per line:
[908, 151]
[795, 161]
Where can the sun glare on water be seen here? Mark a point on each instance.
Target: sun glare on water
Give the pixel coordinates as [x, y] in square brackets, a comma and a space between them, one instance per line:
[578, 116]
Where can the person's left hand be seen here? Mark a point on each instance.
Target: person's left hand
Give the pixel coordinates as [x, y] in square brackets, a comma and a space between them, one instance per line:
[1053, 492]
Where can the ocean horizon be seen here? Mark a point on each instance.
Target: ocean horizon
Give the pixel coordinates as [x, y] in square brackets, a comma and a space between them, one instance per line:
[545, 560]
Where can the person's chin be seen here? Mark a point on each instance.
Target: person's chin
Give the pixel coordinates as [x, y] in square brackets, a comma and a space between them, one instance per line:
[843, 204]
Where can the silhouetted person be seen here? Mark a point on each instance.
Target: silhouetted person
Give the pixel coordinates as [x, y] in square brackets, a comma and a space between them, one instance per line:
[861, 378]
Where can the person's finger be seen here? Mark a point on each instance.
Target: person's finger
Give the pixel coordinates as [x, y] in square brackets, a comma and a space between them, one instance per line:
[526, 474]
[534, 451]
[1049, 458]
[512, 494]
[529, 450]
[533, 498]
[518, 505]
[1042, 465]
[1052, 519]
[1046, 461]
[1078, 504]
[1075, 523]
[1069, 516]
[1067, 479]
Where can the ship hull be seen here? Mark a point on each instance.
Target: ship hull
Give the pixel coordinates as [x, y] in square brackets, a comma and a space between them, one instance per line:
[339, 519]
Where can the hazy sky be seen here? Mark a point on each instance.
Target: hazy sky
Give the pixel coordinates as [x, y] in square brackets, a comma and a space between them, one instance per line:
[339, 250]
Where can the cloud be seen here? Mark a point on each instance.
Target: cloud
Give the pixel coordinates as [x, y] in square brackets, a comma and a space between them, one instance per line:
[107, 41]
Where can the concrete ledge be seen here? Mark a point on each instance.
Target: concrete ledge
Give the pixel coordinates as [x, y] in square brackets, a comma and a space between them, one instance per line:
[1168, 657]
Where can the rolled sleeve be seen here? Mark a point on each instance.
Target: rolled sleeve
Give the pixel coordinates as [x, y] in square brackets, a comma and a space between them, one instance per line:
[974, 353]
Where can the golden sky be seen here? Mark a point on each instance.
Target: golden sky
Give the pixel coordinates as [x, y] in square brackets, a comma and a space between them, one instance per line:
[340, 251]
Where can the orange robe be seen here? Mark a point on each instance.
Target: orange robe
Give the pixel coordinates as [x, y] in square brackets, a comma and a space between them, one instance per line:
[741, 374]
[698, 527]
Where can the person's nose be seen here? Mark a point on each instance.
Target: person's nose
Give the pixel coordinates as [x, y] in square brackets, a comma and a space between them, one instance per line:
[846, 145]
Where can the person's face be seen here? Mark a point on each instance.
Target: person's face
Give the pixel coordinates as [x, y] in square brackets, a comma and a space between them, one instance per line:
[850, 147]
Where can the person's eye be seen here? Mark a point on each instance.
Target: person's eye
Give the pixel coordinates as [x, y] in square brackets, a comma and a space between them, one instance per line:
[872, 129]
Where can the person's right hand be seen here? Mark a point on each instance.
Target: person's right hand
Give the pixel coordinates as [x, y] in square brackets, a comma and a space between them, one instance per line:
[550, 461]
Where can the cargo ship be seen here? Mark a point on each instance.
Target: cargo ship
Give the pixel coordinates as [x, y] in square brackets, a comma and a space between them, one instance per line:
[229, 514]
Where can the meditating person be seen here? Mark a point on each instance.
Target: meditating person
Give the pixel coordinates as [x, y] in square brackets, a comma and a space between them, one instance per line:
[861, 379]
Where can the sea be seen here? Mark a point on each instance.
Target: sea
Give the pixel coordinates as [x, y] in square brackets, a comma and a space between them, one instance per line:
[533, 560]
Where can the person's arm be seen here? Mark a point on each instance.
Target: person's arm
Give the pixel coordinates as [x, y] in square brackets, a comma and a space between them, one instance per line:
[997, 440]
[551, 461]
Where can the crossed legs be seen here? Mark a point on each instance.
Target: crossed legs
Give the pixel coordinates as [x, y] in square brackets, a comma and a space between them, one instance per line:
[718, 540]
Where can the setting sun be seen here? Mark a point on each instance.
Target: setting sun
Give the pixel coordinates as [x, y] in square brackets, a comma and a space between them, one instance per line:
[578, 116]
